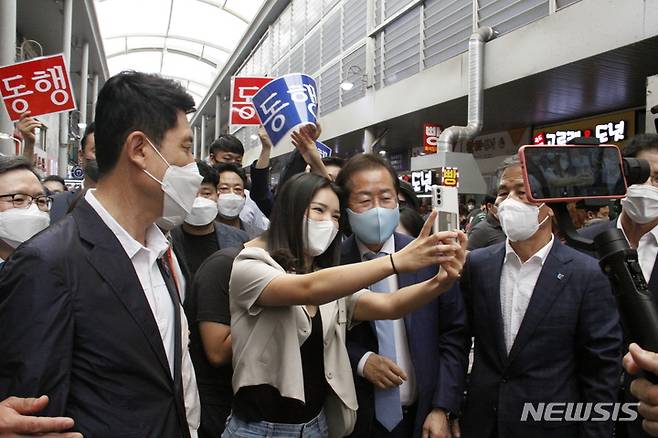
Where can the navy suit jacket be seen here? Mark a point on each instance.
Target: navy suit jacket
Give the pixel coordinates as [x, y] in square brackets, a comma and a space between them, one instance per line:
[438, 344]
[568, 348]
[633, 429]
[77, 327]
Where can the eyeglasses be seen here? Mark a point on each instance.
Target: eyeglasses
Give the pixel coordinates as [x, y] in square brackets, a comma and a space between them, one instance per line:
[21, 200]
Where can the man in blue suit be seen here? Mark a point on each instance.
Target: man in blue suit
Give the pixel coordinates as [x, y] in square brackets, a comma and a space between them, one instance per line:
[90, 313]
[409, 373]
[545, 324]
[639, 222]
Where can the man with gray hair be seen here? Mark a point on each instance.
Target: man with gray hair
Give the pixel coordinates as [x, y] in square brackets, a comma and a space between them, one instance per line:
[545, 324]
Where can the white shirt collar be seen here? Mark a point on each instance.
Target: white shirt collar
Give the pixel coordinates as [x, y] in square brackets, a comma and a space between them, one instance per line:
[653, 232]
[156, 242]
[540, 255]
[387, 248]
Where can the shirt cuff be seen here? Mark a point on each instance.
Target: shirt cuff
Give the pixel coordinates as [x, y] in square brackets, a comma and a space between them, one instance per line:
[362, 363]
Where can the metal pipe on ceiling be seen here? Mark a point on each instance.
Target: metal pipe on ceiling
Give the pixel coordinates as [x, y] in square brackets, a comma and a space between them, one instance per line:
[454, 134]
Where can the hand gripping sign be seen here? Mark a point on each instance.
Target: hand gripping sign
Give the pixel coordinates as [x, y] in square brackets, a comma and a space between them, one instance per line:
[41, 86]
[285, 103]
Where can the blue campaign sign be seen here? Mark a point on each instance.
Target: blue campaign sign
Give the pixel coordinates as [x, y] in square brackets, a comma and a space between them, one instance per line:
[285, 103]
[325, 151]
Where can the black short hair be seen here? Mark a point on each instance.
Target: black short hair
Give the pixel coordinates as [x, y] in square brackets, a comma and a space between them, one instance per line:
[231, 167]
[209, 173]
[471, 200]
[409, 194]
[134, 101]
[333, 161]
[285, 239]
[640, 143]
[15, 162]
[55, 178]
[363, 162]
[227, 143]
[489, 199]
[411, 220]
[88, 131]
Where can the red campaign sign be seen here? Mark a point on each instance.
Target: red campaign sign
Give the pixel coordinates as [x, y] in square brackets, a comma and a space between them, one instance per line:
[431, 135]
[40, 85]
[242, 90]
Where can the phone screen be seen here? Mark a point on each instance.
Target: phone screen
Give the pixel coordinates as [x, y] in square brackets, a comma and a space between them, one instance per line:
[563, 172]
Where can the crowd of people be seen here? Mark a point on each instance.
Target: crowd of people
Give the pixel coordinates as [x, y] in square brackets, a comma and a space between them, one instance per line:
[169, 297]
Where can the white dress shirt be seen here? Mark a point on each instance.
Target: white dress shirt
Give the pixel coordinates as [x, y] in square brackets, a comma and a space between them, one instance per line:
[517, 283]
[647, 250]
[144, 260]
[408, 387]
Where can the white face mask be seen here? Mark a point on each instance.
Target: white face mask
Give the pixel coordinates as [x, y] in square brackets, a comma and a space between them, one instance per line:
[318, 236]
[641, 203]
[230, 205]
[204, 211]
[19, 224]
[520, 221]
[180, 186]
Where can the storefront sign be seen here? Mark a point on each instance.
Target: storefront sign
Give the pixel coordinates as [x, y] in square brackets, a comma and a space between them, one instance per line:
[431, 135]
[608, 129]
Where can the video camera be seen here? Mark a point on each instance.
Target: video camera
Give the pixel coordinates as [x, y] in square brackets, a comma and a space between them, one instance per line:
[561, 174]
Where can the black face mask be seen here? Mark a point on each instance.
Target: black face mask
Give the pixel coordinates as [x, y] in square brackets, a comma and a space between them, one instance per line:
[91, 170]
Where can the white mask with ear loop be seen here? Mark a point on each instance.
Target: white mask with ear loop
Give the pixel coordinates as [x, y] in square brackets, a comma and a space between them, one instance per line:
[19, 224]
[518, 219]
[180, 186]
[641, 203]
[318, 236]
[204, 212]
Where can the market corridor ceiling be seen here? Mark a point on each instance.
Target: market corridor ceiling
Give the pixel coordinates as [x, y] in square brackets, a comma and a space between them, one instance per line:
[186, 40]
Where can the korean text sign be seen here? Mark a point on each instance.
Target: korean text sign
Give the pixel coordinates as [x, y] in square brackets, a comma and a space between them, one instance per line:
[41, 86]
[431, 135]
[325, 151]
[285, 103]
[243, 89]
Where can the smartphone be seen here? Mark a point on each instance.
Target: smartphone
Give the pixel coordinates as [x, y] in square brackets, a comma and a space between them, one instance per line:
[446, 202]
[570, 173]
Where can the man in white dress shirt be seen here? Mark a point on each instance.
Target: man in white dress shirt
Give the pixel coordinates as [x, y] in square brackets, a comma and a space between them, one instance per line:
[91, 307]
[545, 324]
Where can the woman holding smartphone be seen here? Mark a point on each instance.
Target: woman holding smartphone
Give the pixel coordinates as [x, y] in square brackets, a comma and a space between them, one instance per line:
[291, 306]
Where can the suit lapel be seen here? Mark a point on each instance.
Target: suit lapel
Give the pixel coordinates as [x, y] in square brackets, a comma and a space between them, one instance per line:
[174, 293]
[492, 298]
[327, 312]
[553, 277]
[109, 259]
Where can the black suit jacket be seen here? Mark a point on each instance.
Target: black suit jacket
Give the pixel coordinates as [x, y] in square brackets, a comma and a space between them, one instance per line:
[438, 344]
[77, 327]
[568, 348]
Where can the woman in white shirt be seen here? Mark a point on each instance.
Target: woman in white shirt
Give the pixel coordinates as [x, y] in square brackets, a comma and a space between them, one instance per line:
[291, 306]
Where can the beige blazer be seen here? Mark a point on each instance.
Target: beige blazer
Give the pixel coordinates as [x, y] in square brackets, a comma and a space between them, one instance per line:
[267, 340]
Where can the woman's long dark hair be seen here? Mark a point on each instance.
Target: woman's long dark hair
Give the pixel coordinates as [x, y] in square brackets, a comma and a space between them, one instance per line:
[285, 239]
